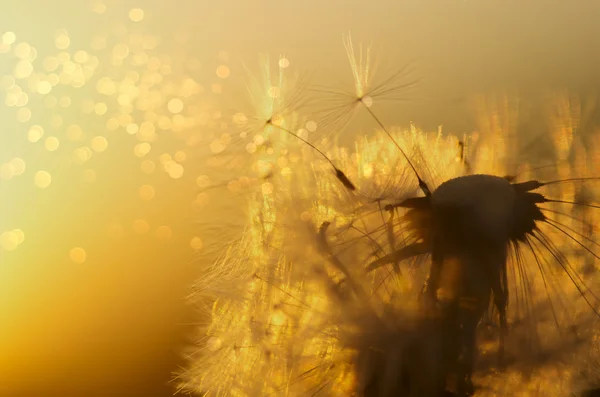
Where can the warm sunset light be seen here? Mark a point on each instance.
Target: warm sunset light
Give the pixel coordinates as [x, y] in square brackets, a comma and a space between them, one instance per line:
[249, 199]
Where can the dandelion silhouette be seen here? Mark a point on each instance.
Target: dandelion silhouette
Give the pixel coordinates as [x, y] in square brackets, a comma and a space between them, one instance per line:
[305, 304]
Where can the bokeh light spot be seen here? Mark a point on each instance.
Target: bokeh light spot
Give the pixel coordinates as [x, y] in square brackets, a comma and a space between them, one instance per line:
[23, 69]
[112, 124]
[9, 241]
[175, 105]
[146, 131]
[99, 7]
[142, 149]
[180, 156]
[284, 62]
[74, 132]
[82, 154]
[20, 235]
[44, 87]
[89, 175]
[217, 146]
[286, 171]
[146, 192]
[175, 170]
[163, 233]
[62, 40]
[120, 51]
[196, 243]
[22, 50]
[42, 179]
[51, 143]
[147, 167]
[22, 100]
[251, 147]
[50, 64]
[258, 139]
[240, 118]
[99, 144]
[64, 101]
[78, 255]
[202, 199]
[132, 128]
[278, 318]
[203, 181]
[136, 14]
[223, 71]
[140, 226]
[35, 133]
[213, 344]
[18, 165]
[165, 158]
[9, 38]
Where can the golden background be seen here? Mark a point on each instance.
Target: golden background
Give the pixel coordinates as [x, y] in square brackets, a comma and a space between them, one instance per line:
[110, 113]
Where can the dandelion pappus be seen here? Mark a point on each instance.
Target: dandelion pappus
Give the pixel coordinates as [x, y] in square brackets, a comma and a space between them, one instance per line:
[334, 319]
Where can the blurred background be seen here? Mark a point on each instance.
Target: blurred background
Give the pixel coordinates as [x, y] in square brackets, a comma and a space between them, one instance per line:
[112, 112]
